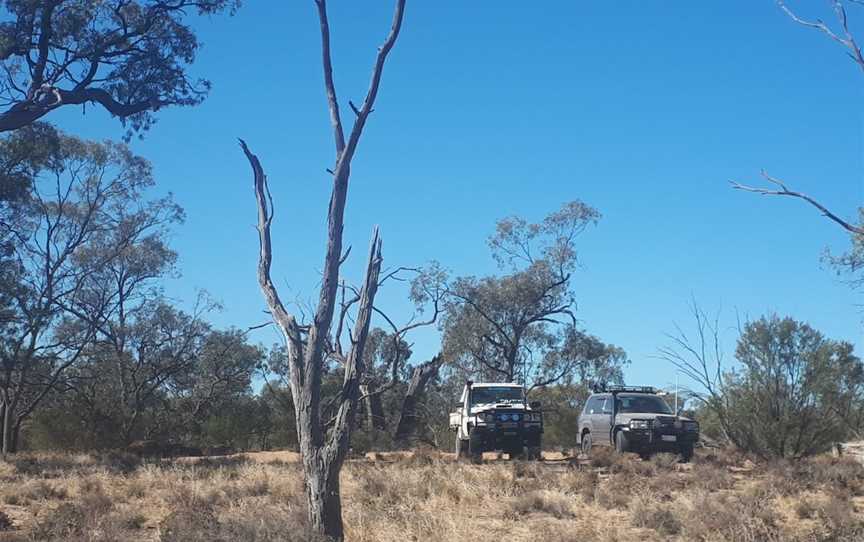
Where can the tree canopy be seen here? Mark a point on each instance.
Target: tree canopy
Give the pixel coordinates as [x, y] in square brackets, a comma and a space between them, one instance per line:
[522, 326]
[129, 57]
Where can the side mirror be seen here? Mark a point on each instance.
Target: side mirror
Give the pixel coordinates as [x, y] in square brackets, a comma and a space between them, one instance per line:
[535, 405]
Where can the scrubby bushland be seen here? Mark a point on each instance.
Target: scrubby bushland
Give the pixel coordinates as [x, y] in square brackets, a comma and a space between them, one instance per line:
[719, 497]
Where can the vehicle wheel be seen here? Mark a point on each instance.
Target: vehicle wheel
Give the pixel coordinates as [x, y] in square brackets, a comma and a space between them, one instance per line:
[622, 443]
[461, 448]
[686, 451]
[475, 448]
[586, 443]
[534, 453]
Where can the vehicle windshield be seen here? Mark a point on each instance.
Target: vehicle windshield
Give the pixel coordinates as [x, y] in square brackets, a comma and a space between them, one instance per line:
[642, 403]
[503, 394]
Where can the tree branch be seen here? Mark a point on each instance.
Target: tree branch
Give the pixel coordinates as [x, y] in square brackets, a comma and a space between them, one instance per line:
[784, 191]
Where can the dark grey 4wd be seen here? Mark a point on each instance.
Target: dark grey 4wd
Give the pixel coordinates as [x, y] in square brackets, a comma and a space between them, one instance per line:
[635, 419]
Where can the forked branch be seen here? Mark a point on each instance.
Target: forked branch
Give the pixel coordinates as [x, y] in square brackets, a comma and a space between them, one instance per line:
[847, 40]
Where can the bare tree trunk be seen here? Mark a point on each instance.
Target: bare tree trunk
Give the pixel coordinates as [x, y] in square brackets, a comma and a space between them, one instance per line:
[375, 417]
[420, 376]
[8, 431]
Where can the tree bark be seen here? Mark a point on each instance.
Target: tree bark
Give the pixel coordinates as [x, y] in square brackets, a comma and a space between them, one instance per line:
[420, 376]
[8, 432]
[375, 416]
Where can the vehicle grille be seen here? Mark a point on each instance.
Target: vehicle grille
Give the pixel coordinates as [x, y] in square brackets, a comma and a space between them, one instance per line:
[664, 423]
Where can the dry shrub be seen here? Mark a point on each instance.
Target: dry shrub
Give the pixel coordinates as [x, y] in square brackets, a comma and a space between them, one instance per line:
[723, 457]
[599, 531]
[665, 461]
[722, 516]
[712, 477]
[586, 484]
[614, 493]
[838, 516]
[630, 465]
[118, 462]
[646, 512]
[189, 525]
[806, 508]
[132, 521]
[72, 521]
[420, 458]
[843, 474]
[602, 457]
[135, 489]
[40, 490]
[542, 502]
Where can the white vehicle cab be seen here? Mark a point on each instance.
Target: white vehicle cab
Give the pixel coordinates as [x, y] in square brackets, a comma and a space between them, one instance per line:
[496, 417]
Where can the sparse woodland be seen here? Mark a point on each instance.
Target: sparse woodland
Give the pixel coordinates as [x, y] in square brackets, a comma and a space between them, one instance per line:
[112, 392]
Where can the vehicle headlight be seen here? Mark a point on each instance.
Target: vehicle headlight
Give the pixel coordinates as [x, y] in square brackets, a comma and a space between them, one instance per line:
[639, 424]
[505, 417]
[485, 417]
[691, 426]
[514, 417]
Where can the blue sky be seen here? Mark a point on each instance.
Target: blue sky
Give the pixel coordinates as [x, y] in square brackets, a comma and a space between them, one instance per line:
[643, 109]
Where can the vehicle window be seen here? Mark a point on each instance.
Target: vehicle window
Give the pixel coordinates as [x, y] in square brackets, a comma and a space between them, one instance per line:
[607, 406]
[496, 395]
[592, 406]
[643, 403]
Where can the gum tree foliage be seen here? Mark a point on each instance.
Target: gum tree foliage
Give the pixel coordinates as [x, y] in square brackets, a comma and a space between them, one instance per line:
[19, 159]
[85, 207]
[521, 325]
[171, 383]
[129, 57]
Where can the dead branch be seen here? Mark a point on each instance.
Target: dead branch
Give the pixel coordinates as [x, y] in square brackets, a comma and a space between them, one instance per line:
[784, 191]
[847, 40]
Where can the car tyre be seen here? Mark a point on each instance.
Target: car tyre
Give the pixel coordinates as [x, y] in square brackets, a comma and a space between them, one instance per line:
[686, 451]
[475, 448]
[622, 443]
[461, 448]
[586, 443]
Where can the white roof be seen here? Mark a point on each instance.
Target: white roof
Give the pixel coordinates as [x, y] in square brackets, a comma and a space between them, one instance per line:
[496, 385]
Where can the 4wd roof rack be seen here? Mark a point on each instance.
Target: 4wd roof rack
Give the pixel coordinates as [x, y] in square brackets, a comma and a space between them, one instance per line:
[625, 389]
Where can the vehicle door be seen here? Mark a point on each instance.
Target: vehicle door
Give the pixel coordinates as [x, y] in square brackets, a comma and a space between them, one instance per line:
[602, 422]
[592, 413]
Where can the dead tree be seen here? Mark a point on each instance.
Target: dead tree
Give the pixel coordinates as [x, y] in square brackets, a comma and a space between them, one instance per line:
[847, 40]
[323, 451]
[420, 377]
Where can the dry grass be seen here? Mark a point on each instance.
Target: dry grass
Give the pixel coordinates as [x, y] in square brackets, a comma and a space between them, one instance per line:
[428, 497]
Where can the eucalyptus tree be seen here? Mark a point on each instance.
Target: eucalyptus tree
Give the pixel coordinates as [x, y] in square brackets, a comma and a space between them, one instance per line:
[522, 325]
[129, 57]
[324, 443]
[80, 194]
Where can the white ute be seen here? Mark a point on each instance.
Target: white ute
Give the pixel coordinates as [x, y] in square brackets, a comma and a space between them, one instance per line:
[496, 417]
